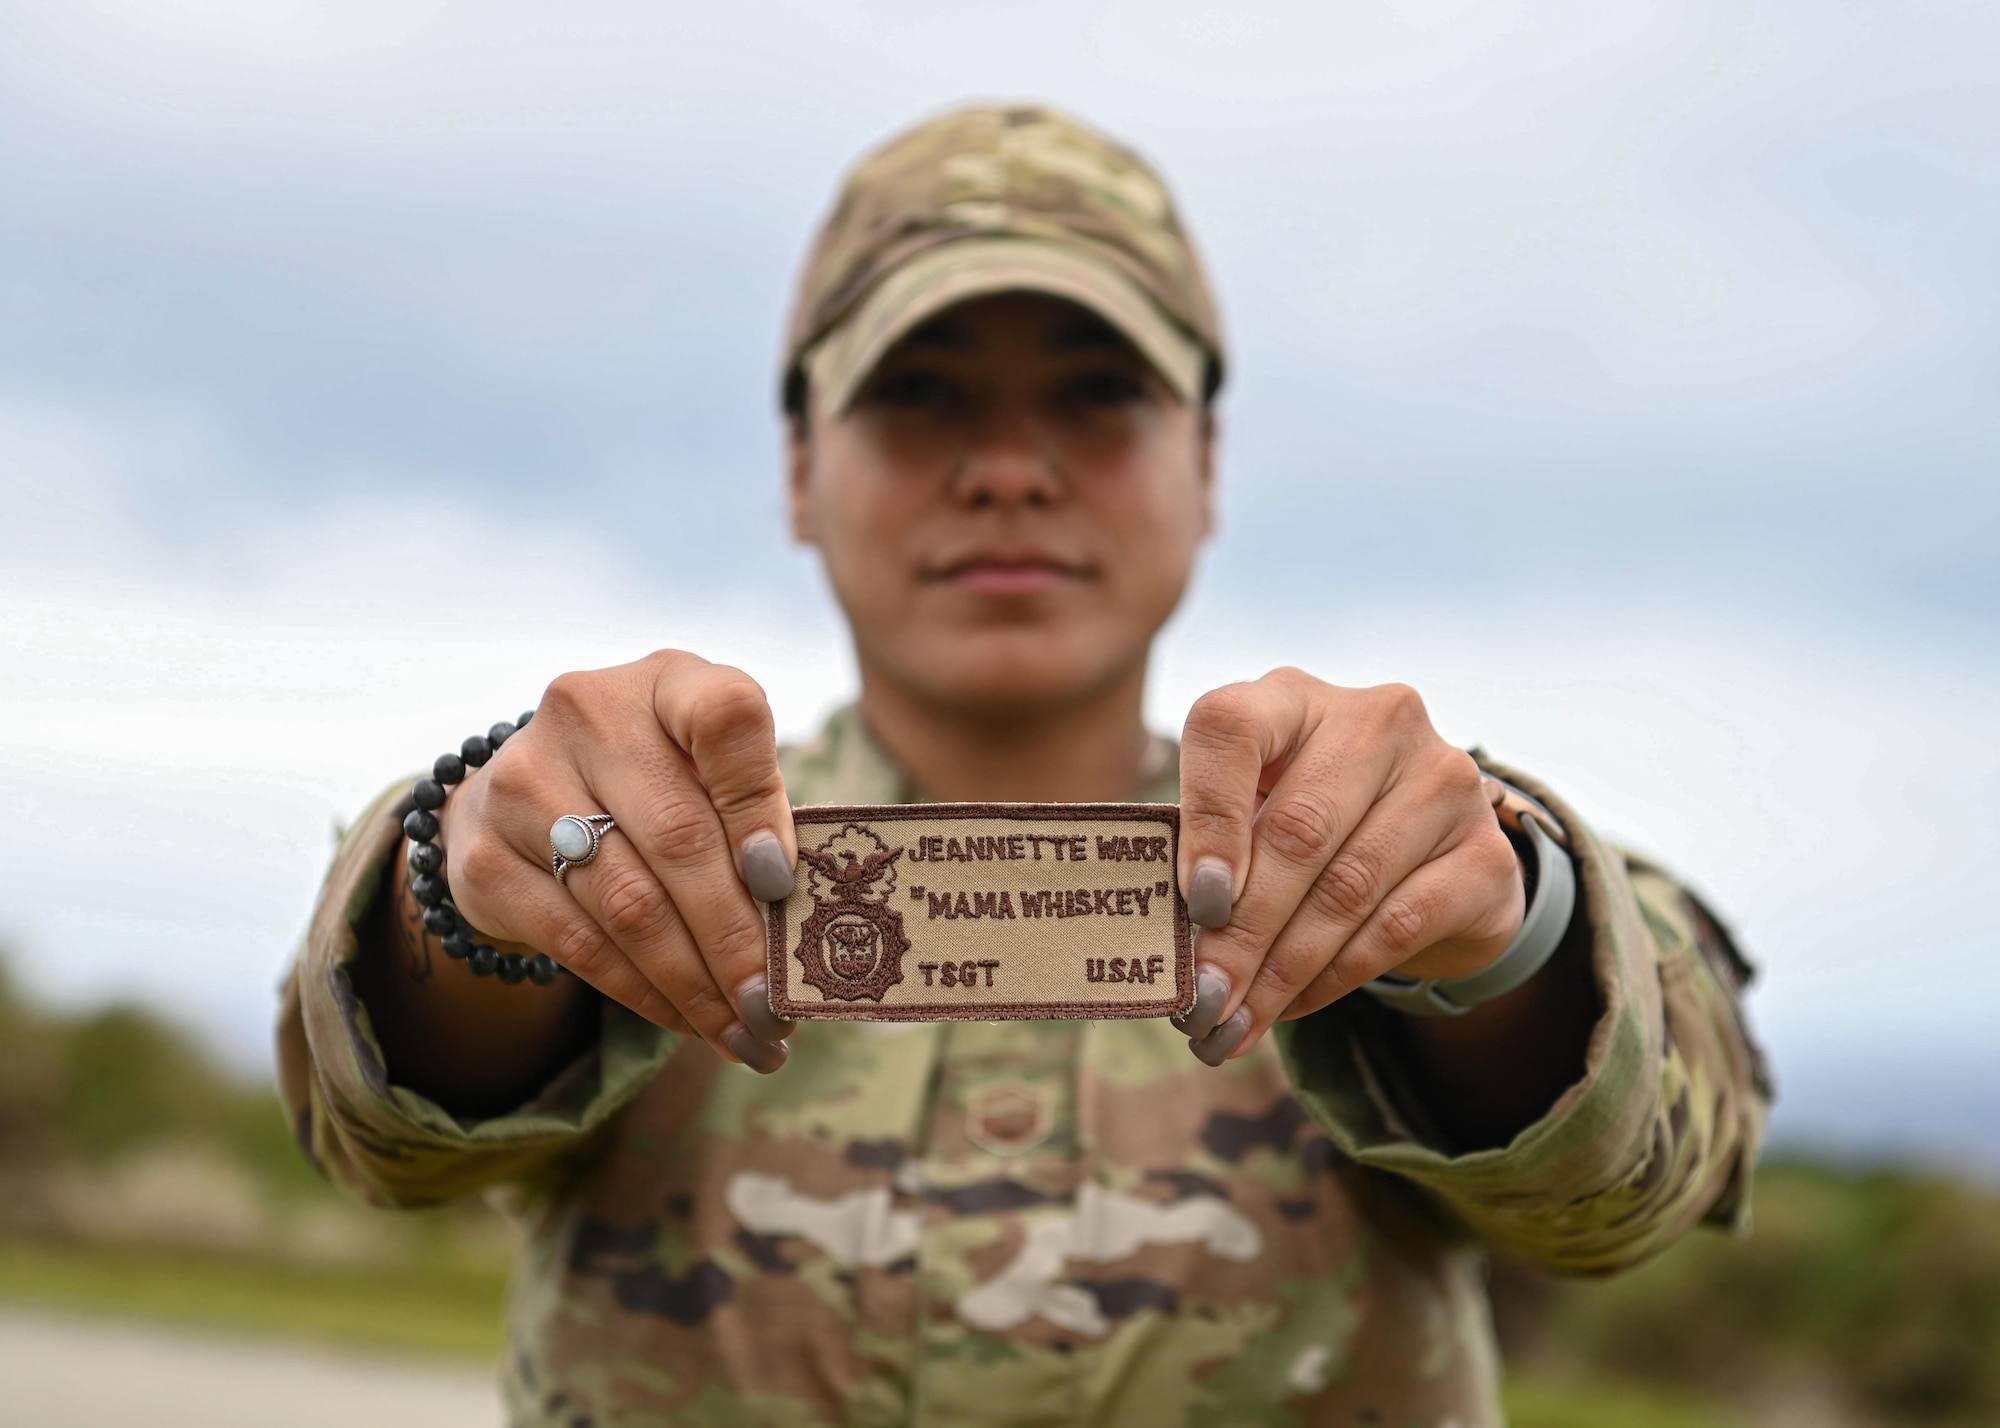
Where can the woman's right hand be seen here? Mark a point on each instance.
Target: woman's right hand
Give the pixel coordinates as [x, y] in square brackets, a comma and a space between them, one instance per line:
[683, 754]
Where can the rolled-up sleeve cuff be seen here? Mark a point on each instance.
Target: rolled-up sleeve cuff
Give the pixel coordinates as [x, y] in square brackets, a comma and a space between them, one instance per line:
[386, 1141]
[1585, 1143]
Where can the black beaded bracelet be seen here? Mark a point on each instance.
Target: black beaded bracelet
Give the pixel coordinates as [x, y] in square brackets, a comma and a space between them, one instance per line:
[427, 883]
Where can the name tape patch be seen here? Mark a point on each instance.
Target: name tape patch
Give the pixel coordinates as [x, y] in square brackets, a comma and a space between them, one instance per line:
[990, 911]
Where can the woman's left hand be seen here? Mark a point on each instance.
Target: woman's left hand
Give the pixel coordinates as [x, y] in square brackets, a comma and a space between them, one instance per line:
[1329, 835]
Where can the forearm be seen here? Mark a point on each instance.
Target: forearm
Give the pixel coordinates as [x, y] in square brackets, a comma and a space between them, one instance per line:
[1613, 1103]
[474, 1045]
[1489, 1074]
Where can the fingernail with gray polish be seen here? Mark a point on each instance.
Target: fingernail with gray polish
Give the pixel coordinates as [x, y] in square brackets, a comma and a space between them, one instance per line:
[767, 870]
[759, 1057]
[1211, 995]
[753, 1004]
[1209, 894]
[1214, 1048]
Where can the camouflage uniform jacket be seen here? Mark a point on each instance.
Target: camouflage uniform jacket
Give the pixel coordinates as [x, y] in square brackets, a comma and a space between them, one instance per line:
[1041, 1222]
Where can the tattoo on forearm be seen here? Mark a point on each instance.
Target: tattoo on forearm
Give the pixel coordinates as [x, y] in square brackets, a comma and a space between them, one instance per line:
[420, 960]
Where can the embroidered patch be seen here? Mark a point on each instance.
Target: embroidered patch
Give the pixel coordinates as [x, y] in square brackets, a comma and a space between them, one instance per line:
[1009, 1117]
[993, 911]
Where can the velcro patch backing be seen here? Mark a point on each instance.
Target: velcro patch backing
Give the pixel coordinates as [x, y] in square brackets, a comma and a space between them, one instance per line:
[993, 911]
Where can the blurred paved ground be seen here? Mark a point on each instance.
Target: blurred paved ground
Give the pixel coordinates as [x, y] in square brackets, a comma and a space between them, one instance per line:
[70, 1373]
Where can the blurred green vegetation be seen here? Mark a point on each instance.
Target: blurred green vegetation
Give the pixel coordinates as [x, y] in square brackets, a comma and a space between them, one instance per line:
[1875, 1292]
[88, 1089]
[138, 1178]
[1536, 1400]
[424, 1308]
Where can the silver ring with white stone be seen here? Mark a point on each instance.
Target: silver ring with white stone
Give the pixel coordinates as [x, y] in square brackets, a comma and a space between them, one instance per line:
[573, 840]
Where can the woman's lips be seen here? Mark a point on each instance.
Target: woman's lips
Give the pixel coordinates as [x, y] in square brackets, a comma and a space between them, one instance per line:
[1006, 577]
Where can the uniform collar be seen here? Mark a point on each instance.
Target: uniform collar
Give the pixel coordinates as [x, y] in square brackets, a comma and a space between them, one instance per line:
[844, 763]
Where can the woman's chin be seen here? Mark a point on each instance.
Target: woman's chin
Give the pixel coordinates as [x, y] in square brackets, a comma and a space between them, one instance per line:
[996, 673]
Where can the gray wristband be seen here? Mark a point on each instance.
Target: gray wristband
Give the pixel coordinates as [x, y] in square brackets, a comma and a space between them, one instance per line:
[1542, 929]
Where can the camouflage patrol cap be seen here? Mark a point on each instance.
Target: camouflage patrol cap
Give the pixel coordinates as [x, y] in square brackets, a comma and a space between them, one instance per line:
[984, 200]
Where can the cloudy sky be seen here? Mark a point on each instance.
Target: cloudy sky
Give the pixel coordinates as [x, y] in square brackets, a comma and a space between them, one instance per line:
[1620, 373]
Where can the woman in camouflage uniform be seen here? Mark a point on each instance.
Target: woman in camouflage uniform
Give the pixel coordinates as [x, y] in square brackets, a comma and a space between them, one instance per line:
[998, 382]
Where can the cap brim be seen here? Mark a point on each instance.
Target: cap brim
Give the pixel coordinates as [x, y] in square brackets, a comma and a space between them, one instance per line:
[969, 268]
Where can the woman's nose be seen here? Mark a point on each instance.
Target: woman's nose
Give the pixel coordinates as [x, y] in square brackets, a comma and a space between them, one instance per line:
[1007, 465]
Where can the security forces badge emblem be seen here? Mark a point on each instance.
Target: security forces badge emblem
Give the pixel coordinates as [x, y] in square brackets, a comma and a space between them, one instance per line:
[851, 945]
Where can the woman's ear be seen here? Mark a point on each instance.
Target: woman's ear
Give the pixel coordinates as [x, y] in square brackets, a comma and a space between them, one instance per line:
[1205, 437]
[798, 477]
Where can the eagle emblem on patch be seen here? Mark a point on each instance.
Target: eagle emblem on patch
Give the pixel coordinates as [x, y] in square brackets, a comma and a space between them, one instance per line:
[851, 945]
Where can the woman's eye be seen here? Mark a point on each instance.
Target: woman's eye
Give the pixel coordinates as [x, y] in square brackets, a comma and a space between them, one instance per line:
[919, 390]
[1103, 389]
